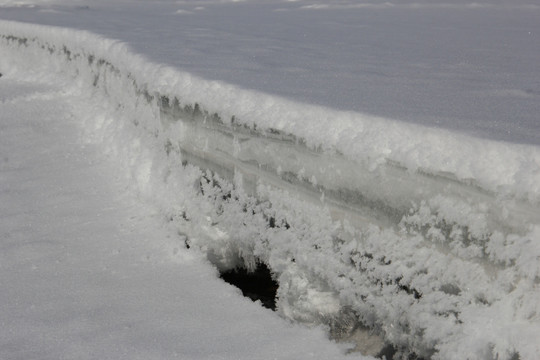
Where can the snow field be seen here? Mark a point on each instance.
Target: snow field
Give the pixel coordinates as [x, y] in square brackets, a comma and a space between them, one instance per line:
[396, 225]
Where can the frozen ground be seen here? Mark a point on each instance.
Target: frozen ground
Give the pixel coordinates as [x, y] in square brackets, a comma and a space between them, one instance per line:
[88, 272]
[429, 237]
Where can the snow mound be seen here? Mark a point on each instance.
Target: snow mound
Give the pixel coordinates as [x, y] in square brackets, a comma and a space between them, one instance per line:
[427, 238]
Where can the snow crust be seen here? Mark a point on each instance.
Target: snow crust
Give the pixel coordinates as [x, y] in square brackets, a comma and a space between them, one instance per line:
[460, 65]
[426, 237]
[88, 271]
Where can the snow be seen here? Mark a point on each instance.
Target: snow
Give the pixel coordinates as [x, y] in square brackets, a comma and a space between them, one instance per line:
[371, 221]
[88, 271]
[466, 66]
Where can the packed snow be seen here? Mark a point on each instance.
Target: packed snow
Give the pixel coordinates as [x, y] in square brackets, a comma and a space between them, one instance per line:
[389, 177]
[87, 271]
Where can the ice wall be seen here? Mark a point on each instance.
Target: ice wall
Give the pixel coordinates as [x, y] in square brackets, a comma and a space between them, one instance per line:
[427, 238]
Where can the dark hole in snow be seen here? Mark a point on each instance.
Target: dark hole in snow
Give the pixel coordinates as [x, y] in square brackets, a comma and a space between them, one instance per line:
[389, 352]
[256, 285]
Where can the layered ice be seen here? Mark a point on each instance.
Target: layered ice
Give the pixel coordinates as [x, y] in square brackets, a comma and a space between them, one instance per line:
[427, 238]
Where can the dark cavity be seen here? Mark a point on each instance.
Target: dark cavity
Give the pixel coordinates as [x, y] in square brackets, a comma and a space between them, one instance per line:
[256, 285]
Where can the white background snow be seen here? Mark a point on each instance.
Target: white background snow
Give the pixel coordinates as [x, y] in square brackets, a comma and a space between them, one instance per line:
[468, 66]
[90, 269]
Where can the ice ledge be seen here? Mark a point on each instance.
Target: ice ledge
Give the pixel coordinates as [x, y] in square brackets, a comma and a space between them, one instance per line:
[508, 169]
[417, 234]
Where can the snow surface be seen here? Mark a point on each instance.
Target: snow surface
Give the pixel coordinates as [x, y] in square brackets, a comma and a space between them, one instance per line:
[463, 65]
[427, 237]
[89, 272]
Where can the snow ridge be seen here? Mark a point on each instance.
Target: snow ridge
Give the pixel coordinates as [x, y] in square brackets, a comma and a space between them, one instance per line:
[419, 235]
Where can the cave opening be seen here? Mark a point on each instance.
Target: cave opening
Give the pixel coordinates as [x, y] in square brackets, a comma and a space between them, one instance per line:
[257, 285]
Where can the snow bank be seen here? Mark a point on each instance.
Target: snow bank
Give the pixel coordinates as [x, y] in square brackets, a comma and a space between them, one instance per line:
[428, 238]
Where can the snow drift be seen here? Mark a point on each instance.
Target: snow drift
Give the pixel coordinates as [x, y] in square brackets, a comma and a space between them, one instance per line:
[429, 239]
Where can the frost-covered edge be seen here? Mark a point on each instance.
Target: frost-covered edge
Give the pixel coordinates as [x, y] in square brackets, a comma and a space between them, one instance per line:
[389, 277]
